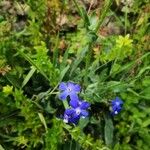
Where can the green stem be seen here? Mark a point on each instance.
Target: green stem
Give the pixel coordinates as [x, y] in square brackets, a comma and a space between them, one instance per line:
[79, 10]
[65, 103]
[102, 16]
[55, 51]
[54, 93]
[126, 17]
[89, 54]
[88, 60]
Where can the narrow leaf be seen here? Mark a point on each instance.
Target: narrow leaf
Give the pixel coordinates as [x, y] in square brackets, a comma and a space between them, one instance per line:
[55, 51]
[43, 120]
[25, 56]
[63, 72]
[29, 75]
[79, 59]
[1, 148]
[108, 130]
[64, 61]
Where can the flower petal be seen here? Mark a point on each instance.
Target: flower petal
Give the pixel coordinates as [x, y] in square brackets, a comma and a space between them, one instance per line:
[74, 119]
[77, 88]
[70, 85]
[74, 103]
[117, 101]
[63, 95]
[62, 86]
[73, 96]
[114, 107]
[85, 105]
[69, 112]
[84, 113]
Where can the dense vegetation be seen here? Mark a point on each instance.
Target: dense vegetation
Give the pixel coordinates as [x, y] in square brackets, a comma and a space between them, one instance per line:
[101, 45]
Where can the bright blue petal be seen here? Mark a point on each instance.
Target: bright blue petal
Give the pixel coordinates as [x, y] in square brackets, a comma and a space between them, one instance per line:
[74, 119]
[113, 102]
[116, 109]
[62, 86]
[84, 113]
[85, 105]
[70, 116]
[117, 101]
[73, 96]
[116, 106]
[70, 85]
[77, 88]
[69, 111]
[74, 103]
[63, 95]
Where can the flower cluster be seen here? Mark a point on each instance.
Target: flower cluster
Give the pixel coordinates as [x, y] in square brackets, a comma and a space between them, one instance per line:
[116, 105]
[78, 108]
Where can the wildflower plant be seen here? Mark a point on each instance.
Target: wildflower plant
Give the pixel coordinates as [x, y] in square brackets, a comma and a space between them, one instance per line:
[40, 47]
[77, 108]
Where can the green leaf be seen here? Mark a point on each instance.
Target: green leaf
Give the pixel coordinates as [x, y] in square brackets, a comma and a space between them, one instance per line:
[116, 147]
[29, 75]
[146, 123]
[43, 120]
[65, 103]
[109, 128]
[13, 80]
[79, 59]
[85, 16]
[146, 81]
[64, 61]
[103, 14]
[55, 51]
[83, 122]
[33, 64]
[146, 93]
[63, 72]
[143, 70]
[1, 148]
[116, 86]
[92, 37]
[93, 21]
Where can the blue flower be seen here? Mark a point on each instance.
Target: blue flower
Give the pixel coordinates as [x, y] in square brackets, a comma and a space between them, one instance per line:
[70, 116]
[77, 107]
[80, 107]
[69, 89]
[116, 105]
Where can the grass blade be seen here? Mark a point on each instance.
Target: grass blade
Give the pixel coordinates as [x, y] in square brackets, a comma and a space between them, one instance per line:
[29, 75]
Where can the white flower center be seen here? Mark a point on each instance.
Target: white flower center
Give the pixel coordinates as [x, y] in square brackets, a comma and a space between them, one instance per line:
[69, 89]
[117, 103]
[116, 112]
[66, 119]
[78, 110]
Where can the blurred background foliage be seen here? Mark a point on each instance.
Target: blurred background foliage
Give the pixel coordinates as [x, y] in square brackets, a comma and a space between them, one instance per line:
[103, 45]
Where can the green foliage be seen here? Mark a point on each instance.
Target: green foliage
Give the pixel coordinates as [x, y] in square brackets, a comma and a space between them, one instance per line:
[54, 136]
[42, 63]
[103, 46]
[121, 49]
